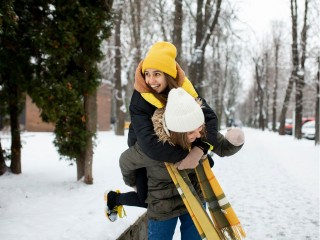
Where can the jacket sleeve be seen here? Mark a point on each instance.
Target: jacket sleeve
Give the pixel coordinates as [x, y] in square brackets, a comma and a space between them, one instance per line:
[142, 130]
[224, 148]
[221, 146]
[211, 123]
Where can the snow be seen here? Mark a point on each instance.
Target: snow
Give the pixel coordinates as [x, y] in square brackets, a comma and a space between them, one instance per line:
[272, 184]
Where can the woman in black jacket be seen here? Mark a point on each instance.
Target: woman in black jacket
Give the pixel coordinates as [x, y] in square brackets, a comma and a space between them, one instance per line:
[155, 76]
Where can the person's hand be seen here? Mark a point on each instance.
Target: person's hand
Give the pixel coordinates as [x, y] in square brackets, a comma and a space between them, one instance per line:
[235, 136]
[191, 160]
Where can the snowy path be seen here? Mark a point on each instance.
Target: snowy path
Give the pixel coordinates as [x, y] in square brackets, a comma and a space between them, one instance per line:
[272, 184]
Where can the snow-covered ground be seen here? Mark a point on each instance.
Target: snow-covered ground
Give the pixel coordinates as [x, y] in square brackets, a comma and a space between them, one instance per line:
[272, 184]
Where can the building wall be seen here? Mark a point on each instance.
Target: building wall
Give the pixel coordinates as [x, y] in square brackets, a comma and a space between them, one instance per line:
[104, 107]
[33, 122]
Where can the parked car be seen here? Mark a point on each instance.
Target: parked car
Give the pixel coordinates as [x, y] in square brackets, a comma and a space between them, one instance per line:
[308, 130]
[308, 119]
[289, 124]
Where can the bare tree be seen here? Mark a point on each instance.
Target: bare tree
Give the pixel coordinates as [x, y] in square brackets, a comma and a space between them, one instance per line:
[259, 68]
[3, 166]
[177, 29]
[205, 26]
[131, 44]
[231, 94]
[277, 32]
[135, 8]
[297, 73]
[317, 137]
[162, 19]
[314, 11]
[300, 82]
[118, 91]
[230, 80]
[218, 80]
[267, 82]
[295, 66]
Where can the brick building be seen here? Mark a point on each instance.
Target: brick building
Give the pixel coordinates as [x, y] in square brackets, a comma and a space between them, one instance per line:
[33, 122]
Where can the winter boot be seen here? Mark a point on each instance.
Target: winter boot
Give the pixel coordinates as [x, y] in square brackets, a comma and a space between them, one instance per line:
[112, 209]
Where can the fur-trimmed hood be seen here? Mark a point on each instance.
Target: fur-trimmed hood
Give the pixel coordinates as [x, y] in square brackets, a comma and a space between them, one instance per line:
[158, 126]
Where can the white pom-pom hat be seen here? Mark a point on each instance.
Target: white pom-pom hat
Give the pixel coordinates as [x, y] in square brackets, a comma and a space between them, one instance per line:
[182, 113]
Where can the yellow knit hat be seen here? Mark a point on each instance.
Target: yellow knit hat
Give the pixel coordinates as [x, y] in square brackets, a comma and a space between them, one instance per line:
[161, 56]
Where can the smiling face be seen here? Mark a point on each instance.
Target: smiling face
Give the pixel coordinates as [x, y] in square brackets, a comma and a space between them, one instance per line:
[155, 79]
[193, 135]
[185, 139]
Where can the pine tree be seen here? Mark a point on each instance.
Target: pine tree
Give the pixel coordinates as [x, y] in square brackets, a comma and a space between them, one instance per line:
[67, 75]
[15, 70]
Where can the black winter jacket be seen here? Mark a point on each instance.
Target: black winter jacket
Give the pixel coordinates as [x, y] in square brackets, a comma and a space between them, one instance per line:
[141, 129]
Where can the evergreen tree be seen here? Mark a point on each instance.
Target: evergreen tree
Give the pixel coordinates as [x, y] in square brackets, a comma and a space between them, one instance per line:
[67, 75]
[15, 69]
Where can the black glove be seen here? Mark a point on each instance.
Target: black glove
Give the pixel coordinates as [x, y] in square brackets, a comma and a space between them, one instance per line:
[202, 145]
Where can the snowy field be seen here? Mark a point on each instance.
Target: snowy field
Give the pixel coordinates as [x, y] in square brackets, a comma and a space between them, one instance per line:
[272, 184]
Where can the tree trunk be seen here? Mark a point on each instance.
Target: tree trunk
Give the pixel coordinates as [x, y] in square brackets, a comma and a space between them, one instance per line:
[14, 100]
[203, 35]
[80, 165]
[300, 79]
[260, 96]
[282, 118]
[90, 106]
[118, 91]
[255, 106]
[317, 136]
[3, 166]
[196, 62]
[266, 117]
[136, 23]
[295, 67]
[275, 88]
[135, 27]
[218, 90]
[298, 108]
[177, 29]
[222, 90]
[161, 15]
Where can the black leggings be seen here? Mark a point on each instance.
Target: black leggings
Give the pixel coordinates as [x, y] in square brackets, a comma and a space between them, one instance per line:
[138, 198]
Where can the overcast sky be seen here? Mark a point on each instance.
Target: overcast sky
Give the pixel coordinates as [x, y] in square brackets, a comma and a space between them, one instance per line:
[256, 18]
[259, 14]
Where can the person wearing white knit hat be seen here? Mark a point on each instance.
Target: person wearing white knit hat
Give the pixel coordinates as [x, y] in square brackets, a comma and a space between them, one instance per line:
[182, 113]
[155, 76]
[180, 123]
[184, 123]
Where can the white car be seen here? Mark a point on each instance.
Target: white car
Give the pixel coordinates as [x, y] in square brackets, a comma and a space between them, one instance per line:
[309, 130]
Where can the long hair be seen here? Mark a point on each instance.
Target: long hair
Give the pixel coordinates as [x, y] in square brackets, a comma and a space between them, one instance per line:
[162, 97]
[181, 139]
